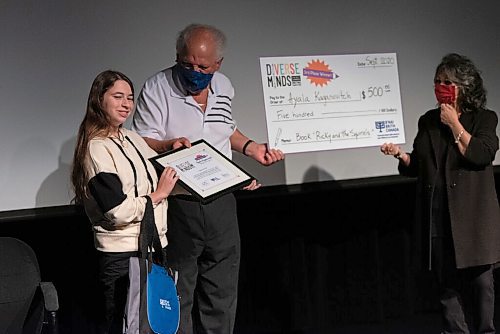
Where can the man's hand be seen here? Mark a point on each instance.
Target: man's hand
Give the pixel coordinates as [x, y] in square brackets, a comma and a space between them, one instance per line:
[181, 142]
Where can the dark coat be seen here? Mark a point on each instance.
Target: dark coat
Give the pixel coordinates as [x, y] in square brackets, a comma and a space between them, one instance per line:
[470, 185]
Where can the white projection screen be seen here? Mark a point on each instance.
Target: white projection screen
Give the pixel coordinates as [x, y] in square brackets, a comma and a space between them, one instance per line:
[51, 51]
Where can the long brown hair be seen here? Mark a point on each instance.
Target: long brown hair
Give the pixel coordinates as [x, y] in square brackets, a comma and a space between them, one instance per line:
[94, 124]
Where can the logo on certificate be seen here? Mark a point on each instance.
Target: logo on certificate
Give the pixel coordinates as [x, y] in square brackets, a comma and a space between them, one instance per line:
[319, 73]
[201, 158]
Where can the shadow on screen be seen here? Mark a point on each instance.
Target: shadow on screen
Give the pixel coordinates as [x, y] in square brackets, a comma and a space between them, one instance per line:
[316, 174]
[55, 188]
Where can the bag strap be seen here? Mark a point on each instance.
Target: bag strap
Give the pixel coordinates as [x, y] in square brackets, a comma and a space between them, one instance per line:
[131, 165]
[149, 241]
[143, 162]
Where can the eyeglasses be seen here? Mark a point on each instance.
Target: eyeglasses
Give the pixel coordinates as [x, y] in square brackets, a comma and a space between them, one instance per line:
[197, 67]
[190, 66]
[445, 82]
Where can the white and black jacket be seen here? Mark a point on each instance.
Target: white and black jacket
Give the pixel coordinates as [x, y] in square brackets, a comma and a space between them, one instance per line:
[120, 177]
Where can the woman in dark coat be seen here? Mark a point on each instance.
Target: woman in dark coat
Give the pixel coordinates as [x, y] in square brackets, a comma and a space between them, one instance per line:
[457, 201]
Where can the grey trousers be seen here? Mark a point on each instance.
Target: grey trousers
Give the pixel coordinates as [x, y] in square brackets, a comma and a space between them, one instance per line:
[204, 247]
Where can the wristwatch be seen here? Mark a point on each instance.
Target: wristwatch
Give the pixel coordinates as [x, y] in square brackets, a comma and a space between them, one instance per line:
[400, 155]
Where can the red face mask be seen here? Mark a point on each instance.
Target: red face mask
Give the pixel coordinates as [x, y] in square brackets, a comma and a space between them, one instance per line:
[445, 93]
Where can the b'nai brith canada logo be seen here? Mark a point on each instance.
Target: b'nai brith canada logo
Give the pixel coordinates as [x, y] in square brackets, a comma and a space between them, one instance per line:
[319, 73]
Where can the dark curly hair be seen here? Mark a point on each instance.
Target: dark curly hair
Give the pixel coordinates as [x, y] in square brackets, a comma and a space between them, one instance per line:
[461, 71]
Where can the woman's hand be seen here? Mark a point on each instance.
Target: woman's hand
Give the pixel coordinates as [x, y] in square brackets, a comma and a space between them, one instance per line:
[166, 183]
[449, 115]
[390, 149]
[397, 152]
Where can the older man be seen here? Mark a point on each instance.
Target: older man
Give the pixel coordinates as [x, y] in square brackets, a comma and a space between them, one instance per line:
[186, 102]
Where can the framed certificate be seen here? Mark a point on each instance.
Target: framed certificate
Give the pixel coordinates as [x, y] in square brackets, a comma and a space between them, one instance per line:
[203, 171]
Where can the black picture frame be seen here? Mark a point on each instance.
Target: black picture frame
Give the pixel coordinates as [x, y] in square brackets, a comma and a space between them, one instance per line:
[204, 172]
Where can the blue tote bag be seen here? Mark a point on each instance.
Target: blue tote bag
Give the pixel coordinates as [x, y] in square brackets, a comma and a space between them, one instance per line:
[163, 302]
[152, 300]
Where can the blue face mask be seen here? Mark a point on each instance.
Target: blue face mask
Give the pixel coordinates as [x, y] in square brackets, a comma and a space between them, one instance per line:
[193, 81]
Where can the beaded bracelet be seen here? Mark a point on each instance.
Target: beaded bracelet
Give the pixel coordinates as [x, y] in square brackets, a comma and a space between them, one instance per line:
[457, 140]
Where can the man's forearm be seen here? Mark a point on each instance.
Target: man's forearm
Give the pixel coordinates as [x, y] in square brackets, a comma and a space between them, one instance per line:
[159, 146]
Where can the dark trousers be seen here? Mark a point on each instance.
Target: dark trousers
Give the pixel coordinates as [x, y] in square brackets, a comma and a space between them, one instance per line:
[467, 295]
[204, 246]
[114, 281]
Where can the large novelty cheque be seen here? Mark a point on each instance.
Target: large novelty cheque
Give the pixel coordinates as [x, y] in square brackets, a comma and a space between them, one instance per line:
[316, 103]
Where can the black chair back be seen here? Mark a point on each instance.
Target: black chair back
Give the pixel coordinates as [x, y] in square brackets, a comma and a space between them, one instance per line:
[21, 301]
